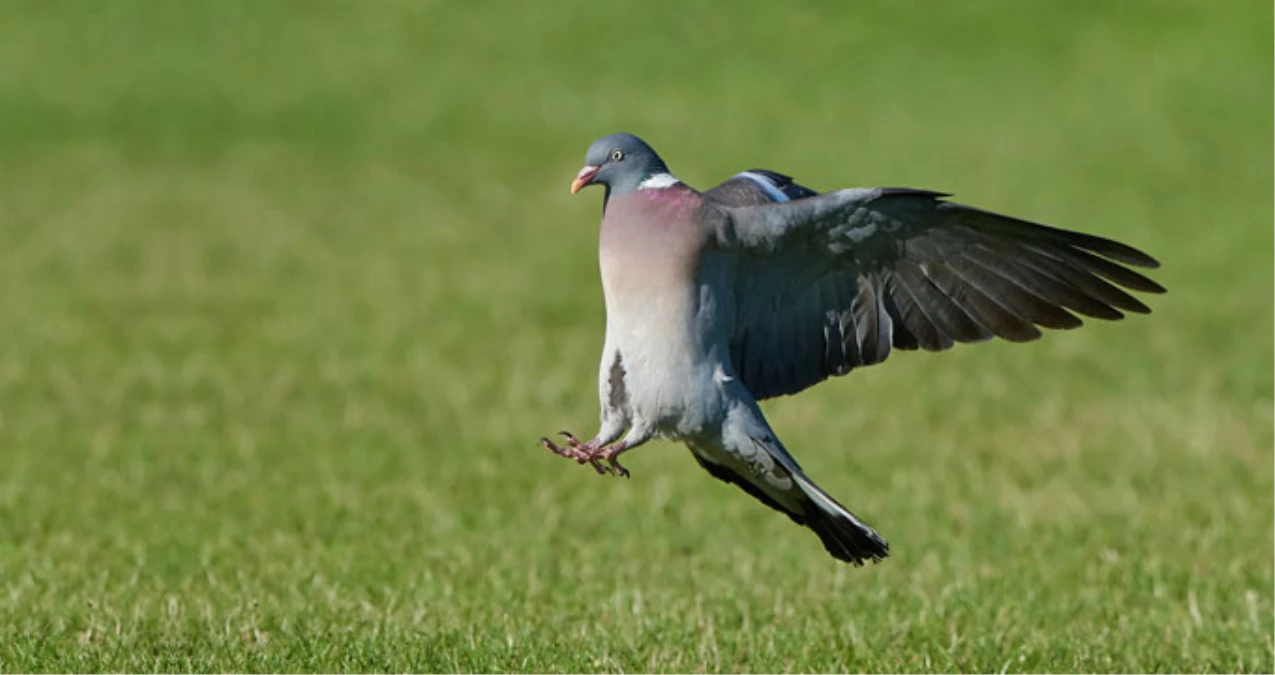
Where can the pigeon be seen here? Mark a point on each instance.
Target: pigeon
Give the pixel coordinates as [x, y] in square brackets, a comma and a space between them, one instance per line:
[761, 287]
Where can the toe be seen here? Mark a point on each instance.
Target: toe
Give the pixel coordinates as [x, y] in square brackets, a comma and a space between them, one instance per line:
[618, 469]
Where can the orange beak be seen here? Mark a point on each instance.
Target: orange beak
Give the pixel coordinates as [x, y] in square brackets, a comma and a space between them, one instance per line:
[584, 178]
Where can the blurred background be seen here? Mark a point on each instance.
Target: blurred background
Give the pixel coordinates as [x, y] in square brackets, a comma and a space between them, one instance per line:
[290, 290]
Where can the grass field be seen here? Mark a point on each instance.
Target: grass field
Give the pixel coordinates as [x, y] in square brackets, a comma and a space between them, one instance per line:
[290, 289]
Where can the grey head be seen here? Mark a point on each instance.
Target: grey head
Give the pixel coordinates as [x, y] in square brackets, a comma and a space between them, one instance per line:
[621, 162]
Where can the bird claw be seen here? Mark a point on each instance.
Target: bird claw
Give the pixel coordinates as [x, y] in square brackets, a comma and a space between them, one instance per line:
[611, 455]
[575, 450]
[618, 470]
[590, 447]
[598, 466]
[562, 450]
[587, 453]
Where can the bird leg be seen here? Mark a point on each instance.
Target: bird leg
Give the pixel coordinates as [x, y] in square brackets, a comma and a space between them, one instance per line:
[599, 449]
[574, 449]
[610, 454]
[592, 452]
[638, 434]
[586, 447]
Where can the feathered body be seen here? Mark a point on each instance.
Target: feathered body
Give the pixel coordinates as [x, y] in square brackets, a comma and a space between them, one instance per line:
[762, 287]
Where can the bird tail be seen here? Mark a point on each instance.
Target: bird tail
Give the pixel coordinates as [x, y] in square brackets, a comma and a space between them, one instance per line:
[842, 533]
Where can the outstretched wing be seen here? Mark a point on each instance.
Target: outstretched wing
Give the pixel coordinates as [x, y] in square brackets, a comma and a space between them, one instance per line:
[828, 283]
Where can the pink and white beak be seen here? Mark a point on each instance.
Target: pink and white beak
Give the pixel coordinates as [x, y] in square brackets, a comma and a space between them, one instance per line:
[585, 177]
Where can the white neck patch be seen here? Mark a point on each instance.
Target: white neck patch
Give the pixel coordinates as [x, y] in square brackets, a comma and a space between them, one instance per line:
[659, 181]
[764, 183]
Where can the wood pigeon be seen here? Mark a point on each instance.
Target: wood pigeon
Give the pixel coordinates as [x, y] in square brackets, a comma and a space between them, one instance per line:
[761, 287]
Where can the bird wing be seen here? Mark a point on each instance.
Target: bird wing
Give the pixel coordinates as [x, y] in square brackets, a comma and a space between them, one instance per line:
[756, 187]
[827, 283]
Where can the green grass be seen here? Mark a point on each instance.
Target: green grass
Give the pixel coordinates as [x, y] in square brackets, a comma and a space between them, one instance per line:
[290, 289]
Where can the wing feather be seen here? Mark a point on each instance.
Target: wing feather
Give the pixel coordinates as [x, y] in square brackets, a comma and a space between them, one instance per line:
[948, 316]
[921, 330]
[827, 283]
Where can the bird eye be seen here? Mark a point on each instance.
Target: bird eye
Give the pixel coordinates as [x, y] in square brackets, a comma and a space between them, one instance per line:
[617, 155]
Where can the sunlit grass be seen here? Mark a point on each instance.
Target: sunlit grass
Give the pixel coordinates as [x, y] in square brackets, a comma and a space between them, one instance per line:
[290, 290]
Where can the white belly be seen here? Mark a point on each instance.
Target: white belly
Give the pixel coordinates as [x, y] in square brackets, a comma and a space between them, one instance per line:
[672, 368]
[673, 340]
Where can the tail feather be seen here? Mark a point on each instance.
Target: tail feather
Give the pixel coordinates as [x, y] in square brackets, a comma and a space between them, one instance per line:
[844, 536]
[842, 533]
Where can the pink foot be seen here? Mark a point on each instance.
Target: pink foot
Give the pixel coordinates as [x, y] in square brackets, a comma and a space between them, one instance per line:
[590, 452]
[611, 455]
[587, 448]
[574, 449]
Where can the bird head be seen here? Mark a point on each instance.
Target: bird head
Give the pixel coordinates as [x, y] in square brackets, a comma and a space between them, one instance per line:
[621, 162]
